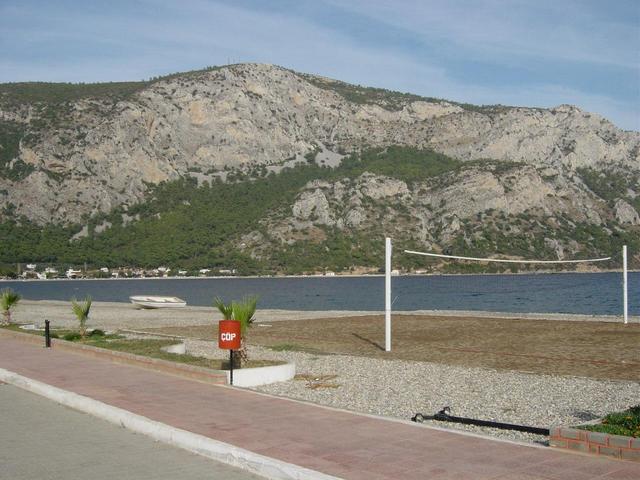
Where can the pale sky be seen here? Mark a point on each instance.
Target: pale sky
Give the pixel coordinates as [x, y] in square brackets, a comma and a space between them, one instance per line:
[517, 52]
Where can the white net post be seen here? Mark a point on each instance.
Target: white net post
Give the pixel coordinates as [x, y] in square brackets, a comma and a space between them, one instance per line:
[387, 294]
[625, 298]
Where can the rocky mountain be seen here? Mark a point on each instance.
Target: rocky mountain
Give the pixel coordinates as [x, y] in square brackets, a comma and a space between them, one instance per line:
[513, 180]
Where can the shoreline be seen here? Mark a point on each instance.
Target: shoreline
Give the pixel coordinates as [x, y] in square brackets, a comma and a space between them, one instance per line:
[337, 275]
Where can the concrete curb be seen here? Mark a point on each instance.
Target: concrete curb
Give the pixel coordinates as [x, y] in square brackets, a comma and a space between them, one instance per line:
[255, 377]
[247, 377]
[193, 442]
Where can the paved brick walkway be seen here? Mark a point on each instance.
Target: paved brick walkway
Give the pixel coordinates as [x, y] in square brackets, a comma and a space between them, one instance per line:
[341, 444]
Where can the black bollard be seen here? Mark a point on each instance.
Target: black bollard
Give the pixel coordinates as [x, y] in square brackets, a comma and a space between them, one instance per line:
[47, 334]
[231, 367]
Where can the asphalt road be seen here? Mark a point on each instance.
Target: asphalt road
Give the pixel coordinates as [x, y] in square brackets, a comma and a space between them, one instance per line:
[41, 440]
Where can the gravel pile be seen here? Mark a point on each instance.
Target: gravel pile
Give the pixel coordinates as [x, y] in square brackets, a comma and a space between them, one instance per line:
[399, 389]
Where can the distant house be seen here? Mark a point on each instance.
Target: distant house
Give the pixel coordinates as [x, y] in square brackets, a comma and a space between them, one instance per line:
[204, 271]
[182, 272]
[104, 270]
[71, 273]
[31, 266]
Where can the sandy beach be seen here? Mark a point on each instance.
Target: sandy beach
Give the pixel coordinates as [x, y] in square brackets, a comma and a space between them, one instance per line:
[115, 315]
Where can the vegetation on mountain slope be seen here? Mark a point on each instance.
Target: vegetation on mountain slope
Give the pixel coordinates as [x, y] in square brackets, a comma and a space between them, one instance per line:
[183, 225]
[387, 99]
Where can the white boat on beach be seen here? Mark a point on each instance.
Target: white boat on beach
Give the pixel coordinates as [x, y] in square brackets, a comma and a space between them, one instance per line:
[150, 301]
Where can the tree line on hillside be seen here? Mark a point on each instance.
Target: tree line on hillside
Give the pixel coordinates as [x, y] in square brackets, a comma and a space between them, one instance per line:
[182, 225]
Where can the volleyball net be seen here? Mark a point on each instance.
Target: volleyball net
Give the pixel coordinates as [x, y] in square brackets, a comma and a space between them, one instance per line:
[591, 294]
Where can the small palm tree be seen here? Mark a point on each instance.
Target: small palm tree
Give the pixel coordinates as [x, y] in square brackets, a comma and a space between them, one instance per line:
[81, 311]
[8, 299]
[225, 309]
[244, 312]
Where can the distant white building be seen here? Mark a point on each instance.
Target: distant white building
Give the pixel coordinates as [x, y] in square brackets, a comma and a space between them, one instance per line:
[50, 270]
[71, 273]
[329, 274]
[31, 266]
[182, 272]
[104, 270]
[204, 271]
[227, 271]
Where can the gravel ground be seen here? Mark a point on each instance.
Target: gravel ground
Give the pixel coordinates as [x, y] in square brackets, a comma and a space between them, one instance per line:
[399, 389]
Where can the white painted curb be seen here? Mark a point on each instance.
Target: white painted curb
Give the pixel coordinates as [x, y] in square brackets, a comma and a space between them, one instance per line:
[254, 377]
[193, 442]
[248, 377]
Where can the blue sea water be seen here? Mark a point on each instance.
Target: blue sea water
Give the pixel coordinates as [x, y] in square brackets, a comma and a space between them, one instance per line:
[583, 293]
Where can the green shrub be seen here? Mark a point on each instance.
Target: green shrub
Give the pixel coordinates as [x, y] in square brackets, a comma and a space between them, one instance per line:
[625, 423]
[72, 336]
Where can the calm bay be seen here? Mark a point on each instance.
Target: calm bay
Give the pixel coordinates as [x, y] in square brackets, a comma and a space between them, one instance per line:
[572, 293]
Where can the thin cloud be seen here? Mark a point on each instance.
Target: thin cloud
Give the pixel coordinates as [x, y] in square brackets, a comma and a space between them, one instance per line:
[551, 30]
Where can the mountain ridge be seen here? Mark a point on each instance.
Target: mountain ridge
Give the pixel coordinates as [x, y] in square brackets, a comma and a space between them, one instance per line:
[80, 155]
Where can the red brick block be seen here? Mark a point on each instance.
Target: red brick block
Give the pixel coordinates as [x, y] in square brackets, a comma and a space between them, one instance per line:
[558, 442]
[578, 446]
[633, 455]
[555, 432]
[571, 434]
[598, 437]
[609, 451]
[619, 441]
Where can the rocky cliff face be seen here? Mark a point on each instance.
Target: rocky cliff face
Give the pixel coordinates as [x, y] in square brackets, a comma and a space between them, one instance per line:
[100, 154]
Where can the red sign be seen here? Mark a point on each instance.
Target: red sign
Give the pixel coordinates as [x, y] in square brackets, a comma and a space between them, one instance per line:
[229, 334]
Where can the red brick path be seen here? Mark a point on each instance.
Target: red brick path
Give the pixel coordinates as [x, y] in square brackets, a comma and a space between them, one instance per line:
[341, 444]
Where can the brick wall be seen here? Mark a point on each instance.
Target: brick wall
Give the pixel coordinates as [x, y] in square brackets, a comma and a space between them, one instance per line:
[595, 443]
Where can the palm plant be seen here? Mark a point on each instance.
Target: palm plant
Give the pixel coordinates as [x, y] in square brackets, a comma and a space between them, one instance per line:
[244, 312]
[225, 309]
[81, 311]
[8, 299]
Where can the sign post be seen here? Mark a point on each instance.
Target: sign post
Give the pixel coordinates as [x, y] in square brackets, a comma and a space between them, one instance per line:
[229, 335]
[387, 294]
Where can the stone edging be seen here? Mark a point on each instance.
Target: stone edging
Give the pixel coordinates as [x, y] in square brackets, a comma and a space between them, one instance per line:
[595, 443]
[217, 377]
